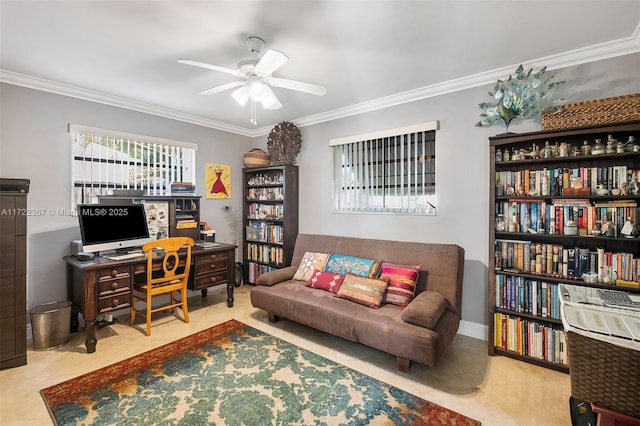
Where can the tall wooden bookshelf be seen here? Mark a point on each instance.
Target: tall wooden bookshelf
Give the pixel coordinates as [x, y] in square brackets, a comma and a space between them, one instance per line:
[270, 218]
[531, 248]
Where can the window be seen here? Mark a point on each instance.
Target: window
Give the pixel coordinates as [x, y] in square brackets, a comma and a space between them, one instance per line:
[104, 160]
[392, 171]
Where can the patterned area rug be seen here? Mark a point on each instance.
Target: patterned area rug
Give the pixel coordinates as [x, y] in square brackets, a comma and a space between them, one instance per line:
[233, 374]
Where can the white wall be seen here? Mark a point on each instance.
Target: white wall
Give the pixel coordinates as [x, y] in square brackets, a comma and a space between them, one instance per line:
[34, 144]
[462, 177]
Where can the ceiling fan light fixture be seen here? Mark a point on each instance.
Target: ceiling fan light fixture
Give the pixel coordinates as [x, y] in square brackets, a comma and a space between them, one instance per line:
[257, 89]
[241, 95]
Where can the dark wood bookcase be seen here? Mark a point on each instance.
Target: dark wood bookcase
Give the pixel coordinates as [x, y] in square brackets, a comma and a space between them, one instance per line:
[524, 310]
[270, 218]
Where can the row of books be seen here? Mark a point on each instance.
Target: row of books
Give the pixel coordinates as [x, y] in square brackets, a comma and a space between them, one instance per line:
[265, 232]
[552, 181]
[183, 188]
[556, 260]
[265, 254]
[255, 270]
[265, 211]
[530, 338]
[519, 294]
[185, 221]
[276, 193]
[541, 217]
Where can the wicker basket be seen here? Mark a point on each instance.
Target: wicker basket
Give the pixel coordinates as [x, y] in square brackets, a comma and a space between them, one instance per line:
[604, 374]
[589, 113]
[256, 158]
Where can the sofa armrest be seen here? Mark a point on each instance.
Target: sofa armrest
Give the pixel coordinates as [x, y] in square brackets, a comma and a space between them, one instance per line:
[425, 310]
[277, 276]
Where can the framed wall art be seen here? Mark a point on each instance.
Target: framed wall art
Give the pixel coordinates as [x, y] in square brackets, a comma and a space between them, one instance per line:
[218, 180]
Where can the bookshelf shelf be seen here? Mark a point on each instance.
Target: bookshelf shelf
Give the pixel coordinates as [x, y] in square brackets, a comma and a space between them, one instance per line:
[270, 218]
[533, 246]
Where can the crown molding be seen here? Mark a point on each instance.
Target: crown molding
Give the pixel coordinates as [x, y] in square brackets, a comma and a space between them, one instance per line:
[37, 83]
[612, 49]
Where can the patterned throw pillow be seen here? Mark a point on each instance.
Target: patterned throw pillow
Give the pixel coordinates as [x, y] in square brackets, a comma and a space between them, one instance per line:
[365, 291]
[343, 265]
[402, 283]
[325, 281]
[309, 263]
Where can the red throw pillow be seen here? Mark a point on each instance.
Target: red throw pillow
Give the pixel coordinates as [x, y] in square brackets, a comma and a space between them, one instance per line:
[328, 281]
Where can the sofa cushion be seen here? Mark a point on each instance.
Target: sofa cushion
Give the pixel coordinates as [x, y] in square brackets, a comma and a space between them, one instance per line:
[343, 265]
[325, 281]
[402, 283]
[309, 263]
[365, 291]
[426, 309]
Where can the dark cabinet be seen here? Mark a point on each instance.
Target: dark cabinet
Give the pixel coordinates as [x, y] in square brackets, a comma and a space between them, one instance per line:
[13, 276]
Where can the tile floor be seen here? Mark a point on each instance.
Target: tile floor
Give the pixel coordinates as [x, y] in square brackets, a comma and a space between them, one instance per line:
[495, 390]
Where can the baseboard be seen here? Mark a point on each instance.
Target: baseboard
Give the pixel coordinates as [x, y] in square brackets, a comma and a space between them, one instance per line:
[473, 329]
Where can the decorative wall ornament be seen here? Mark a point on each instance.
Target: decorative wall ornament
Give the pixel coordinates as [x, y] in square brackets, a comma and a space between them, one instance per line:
[218, 180]
[522, 95]
[284, 143]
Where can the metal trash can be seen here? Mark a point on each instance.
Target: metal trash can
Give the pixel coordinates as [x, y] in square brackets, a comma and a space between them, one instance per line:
[50, 324]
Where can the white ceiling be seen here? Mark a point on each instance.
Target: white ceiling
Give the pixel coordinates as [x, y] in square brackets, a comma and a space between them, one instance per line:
[369, 54]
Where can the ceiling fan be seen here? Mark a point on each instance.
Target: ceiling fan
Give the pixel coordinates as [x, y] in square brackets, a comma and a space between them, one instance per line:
[257, 79]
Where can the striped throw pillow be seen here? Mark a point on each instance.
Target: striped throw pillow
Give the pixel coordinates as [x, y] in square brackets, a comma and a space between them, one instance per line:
[402, 283]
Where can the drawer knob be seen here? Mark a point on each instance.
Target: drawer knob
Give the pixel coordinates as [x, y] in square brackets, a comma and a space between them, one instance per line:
[213, 279]
[115, 302]
[213, 266]
[114, 273]
[114, 286]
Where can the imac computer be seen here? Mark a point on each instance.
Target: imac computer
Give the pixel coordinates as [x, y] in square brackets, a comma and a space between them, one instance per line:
[107, 228]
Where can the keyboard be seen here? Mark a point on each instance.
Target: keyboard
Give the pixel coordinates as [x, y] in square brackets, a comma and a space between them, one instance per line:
[618, 299]
[125, 256]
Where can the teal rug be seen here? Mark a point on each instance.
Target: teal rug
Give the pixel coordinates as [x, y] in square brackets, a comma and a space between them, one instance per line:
[233, 374]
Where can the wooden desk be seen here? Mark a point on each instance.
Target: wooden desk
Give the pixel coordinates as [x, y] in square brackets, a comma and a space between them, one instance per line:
[101, 285]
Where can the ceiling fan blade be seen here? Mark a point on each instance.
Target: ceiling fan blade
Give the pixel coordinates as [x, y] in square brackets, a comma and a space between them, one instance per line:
[270, 61]
[241, 95]
[223, 87]
[300, 86]
[269, 99]
[211, 67]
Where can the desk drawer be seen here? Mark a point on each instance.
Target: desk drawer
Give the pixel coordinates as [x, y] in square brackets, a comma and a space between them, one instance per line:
[115, 302]
[209, 265]
[204, 281]
[121, 271]
[107, 287]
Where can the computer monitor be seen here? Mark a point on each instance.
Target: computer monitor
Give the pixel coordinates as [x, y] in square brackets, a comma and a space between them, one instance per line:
[106, 227]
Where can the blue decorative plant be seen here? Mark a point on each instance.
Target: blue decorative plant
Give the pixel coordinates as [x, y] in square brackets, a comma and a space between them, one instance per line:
[524, 94]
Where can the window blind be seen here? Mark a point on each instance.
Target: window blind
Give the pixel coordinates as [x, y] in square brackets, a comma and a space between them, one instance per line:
[104, 160]
[391, 171]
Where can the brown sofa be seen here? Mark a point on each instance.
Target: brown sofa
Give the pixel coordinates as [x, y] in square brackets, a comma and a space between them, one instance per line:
[382, 328]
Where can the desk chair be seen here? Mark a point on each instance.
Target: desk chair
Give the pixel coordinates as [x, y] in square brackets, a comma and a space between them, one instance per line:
[170, 280]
